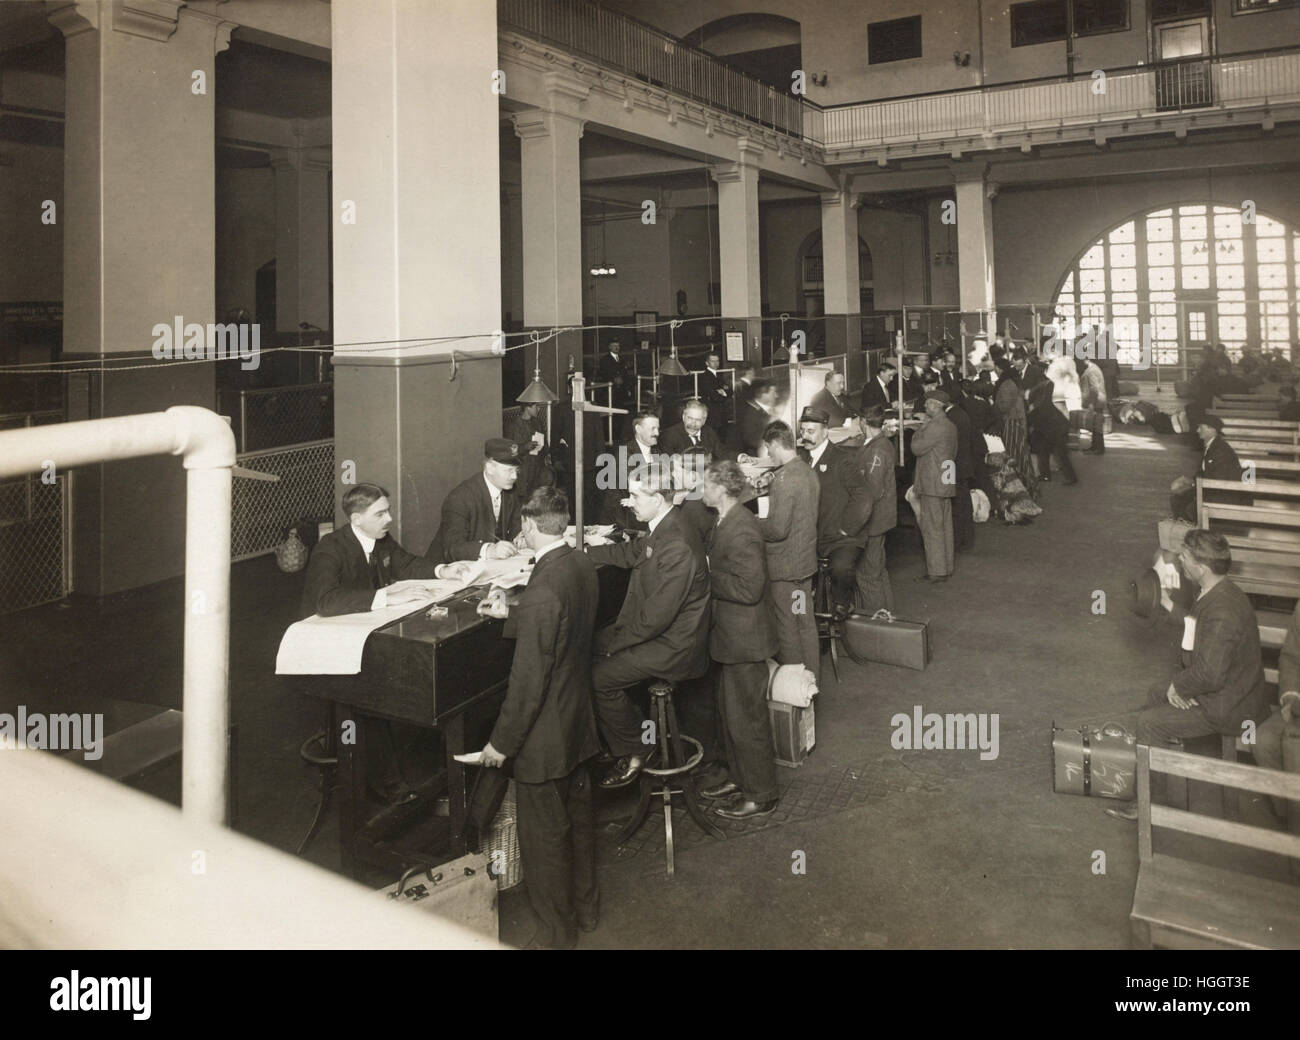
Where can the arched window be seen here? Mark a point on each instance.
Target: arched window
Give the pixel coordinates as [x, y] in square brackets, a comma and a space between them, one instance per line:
[1197, 274]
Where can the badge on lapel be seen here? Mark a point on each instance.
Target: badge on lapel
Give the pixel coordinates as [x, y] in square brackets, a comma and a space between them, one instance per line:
[386, 560]
[649, 551]
[822, 467]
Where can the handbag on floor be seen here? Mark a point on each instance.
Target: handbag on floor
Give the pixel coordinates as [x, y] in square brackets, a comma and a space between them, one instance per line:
[1095, 761]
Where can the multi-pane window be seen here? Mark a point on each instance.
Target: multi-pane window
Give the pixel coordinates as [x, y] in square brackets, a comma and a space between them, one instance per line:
[1192, 274]
[895, 40]
[1244, 6]
[1039, 21]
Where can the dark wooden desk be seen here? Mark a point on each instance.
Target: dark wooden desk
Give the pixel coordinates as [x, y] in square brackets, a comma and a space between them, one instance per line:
[428, 672]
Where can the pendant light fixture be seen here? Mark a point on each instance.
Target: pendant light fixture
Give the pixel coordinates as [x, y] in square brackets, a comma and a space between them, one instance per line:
[537, 392]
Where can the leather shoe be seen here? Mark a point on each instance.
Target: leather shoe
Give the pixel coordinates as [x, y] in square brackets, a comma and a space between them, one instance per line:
[625, 771]
[743, 809]
[720, 790]
[391, 792]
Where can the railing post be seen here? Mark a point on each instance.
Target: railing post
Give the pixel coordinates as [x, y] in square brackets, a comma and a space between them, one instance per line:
[243, 420]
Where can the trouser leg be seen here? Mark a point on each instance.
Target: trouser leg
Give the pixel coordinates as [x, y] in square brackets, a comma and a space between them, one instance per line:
[963, 518]
[742, 700]
[616, 715]
[546, 854]
[1061, 446]
[936, 533]
[844, 562]
[874, 588]
[790, 605]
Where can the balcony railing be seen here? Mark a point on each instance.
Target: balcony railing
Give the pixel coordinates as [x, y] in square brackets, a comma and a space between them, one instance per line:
[1227, 82]
[655, 57]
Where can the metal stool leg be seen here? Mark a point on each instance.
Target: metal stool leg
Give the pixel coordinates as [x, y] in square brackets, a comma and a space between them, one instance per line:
[688, 790]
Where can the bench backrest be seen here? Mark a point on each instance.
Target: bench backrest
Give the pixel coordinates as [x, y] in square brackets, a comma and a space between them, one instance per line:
[1256, 422]
[1215, 771]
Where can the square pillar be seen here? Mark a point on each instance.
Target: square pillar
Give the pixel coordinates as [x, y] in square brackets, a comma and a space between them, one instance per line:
[975, 249]
[417, 249]
[302, 213]
[841, 277]
[739, 248]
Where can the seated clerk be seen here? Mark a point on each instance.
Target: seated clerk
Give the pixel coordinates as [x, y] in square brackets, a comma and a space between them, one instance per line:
[662, 631]
[1218, 462]
[831, 400]
[480, 516]
[350, 568]
[882, 390]
[693, 435]
[639, 455]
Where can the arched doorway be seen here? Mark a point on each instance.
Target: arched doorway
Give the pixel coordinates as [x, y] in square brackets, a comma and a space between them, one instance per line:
[810, 281]
[1197, 273]
[767, 46]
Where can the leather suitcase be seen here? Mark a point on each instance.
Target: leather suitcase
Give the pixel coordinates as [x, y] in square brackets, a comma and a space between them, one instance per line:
[884, 639]
[1095, 761]
[462, 891]
[794, 733]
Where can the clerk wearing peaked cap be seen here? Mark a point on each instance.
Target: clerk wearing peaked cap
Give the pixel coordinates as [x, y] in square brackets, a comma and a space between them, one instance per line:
[843, 508]
[480, 517]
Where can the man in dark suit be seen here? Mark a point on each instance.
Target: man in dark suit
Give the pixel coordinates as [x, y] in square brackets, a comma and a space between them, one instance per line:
[831, 400]
[1049, 432]
[877, 461]
[480, 516]
[844, 506]
[616, 471]
[547, 725]
[693, 435]
[963, 513]
[715, 390]
[755, 414]
[1223, 685]
[740, 641]
[935, 483]
[1219, 462]
[616, 370]
[662, 632]
[882, 390]
[351, 567]
[789, 532]
[950, 375]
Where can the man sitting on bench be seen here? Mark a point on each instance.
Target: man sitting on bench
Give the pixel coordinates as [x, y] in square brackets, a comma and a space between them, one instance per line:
[1288, 410]
[1271, 733]
[1218, 462]
[1223, 686]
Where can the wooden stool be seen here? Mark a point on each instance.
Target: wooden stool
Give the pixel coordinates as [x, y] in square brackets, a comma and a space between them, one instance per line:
[675, 762]
[828, 626]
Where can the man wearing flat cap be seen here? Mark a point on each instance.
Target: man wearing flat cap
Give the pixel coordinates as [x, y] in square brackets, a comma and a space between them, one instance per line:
[1218, 462]
[935, 484]
[843, 505]
[480, 516]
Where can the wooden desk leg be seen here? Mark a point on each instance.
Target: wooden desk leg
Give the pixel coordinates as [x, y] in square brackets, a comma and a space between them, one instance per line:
[454, 741]
[352, 784]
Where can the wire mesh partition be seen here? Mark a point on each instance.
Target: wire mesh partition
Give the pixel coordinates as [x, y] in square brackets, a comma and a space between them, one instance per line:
[278, 415]
[264, 510]
[34, 541]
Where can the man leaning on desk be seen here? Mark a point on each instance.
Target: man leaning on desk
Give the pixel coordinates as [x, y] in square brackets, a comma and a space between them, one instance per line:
[350, 569]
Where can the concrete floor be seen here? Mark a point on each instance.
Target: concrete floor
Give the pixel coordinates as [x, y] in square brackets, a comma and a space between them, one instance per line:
[902, 848]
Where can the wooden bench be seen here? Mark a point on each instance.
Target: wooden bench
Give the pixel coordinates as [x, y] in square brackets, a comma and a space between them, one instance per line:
[1182, 904]
[1274, 469]
[1251, 401]
[1264, 515]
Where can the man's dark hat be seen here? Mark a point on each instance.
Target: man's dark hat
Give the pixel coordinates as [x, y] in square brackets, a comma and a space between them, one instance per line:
[498, 449]
[1212, 420]
[940, 396]
[874, 416]
[815, 415]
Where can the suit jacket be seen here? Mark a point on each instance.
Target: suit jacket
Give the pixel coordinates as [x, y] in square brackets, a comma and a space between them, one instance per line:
[612, 510]
[844, 504]
[547, 723]
[1033, 374]
[1045, 417]
[676, 441]
[665, 615]
[1219, 462]
[790, 529]
[837, 410]
[467, 520]
[741, 630]
[983, 417]
[618, 372]
[965, 458]
[698, 517]
[934, 444]
[338, 577]
[1226, 675]
[752, 422]
[874, 395]
[950, 384]
[715, 391]
[877, 461]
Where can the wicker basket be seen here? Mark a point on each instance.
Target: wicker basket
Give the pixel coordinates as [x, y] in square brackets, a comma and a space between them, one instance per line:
[501, 843]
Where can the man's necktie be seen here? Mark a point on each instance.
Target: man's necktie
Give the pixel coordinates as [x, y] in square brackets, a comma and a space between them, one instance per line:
[376, 572]
[499, 506]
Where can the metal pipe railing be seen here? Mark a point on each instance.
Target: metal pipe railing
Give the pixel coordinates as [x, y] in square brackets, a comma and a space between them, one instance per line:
[207, 446]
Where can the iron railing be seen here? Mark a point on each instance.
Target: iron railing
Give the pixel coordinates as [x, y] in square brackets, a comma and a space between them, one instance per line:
[658, 58]
[1225, 82]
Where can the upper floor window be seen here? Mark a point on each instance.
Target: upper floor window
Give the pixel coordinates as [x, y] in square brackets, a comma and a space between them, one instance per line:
[895, 40]
[1042, 21]
[1244, 6]
[1164, 10]
[1100, 16]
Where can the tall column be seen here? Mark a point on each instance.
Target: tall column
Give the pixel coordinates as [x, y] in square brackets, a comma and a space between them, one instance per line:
[739, 247]
[552, 222]
[975, 249]
[139, 231]
[302, 213]
[417, 248]
[841, 278]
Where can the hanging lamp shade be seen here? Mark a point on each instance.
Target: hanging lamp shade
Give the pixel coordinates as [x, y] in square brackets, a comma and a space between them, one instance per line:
[537, 392]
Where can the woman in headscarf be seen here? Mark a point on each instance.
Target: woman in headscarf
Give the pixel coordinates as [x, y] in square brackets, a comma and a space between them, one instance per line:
[1012, 500]
[1010, 404]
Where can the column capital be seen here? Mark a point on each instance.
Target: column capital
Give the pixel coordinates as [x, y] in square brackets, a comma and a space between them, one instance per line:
[968, 173]
[221, 28]
[852, 199]
[558, 85]
[538, 123]
[151, 19]
[750, 151]
[75, 18]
